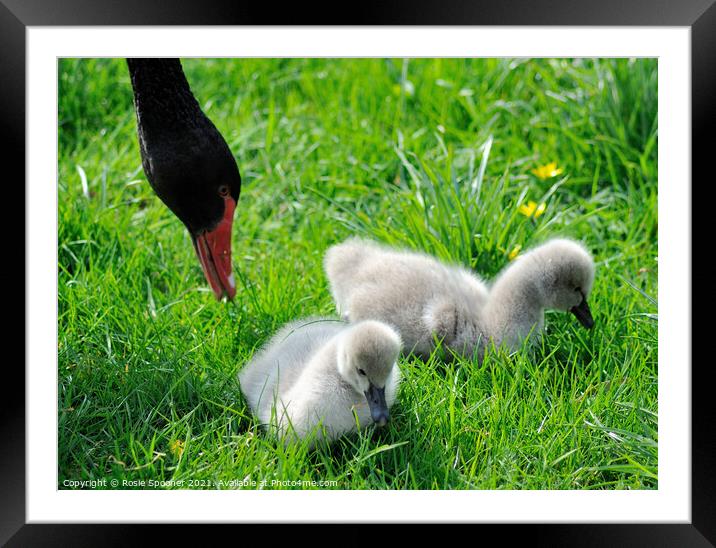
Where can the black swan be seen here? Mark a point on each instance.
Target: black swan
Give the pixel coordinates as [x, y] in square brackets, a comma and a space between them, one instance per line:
[188, 163]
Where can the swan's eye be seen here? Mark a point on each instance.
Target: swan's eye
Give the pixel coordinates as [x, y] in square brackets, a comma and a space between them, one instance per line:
[361, 372]
[224, 191]
[579, 289]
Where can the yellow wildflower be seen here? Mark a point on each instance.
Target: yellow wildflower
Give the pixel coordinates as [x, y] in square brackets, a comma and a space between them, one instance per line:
[176, 447]
[547, 171]
[531, 209]
[515, 251]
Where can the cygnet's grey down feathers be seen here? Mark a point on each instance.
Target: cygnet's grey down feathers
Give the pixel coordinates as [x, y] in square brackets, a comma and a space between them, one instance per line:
[426, 300]
[413, 292]
[308, 375]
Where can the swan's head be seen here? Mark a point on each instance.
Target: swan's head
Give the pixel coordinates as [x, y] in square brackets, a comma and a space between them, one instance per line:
[566, 271]
[367, 353]
[188, 164]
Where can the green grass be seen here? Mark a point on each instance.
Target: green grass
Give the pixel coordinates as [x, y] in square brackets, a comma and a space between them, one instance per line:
[428, 154]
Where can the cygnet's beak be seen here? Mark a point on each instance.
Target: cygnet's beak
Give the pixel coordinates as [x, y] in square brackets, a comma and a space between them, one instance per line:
[378, 407]
[583, 314]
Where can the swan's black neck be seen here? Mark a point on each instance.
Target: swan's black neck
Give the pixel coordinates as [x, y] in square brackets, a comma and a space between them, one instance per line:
[162, 95]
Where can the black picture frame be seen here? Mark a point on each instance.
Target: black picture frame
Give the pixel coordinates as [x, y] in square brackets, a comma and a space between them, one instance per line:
[699, 15]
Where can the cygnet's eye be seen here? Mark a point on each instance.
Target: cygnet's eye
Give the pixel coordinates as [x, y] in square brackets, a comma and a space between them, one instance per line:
[224, 191]
[579, 289]
[361, 372]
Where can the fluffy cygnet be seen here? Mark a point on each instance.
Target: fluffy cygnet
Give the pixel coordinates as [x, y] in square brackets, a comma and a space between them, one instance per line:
[320, 371]
[403, 289]
[425, 299]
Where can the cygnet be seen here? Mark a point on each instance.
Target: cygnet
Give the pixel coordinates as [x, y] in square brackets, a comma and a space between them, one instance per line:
[321, 376]
[426, 300]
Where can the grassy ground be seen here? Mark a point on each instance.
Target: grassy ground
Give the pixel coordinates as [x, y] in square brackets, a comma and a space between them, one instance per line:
[429, 154]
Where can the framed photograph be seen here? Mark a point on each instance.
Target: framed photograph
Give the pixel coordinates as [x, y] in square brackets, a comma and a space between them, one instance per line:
[403, 272]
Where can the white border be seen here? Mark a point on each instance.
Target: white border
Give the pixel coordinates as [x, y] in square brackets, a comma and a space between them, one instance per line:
[670, 503]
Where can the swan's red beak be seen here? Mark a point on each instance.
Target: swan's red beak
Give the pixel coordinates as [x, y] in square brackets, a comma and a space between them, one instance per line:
[214, 251]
